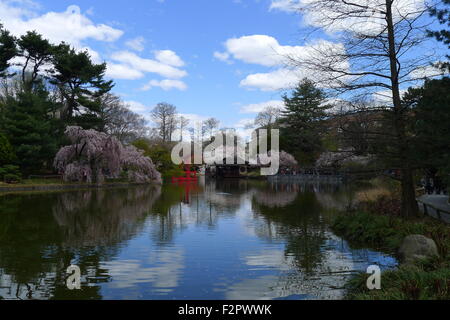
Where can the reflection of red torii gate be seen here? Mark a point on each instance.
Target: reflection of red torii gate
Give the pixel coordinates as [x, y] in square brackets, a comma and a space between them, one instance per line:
[189, 175]
[188, 182]
[188, 187]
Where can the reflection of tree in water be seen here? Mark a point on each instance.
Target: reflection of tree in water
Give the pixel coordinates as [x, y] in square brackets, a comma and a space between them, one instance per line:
[280, 195]
[298, 222]
[103, 217]
[41, 235]
[207, 203]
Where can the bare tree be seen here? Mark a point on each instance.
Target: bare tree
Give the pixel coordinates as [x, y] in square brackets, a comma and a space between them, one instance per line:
[183, 123]
[120, 121]
[268, 117]
[164, 116]
[210, 126]
[378, 53]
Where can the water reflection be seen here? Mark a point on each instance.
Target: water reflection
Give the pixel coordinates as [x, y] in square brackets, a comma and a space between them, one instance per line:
[231, 239]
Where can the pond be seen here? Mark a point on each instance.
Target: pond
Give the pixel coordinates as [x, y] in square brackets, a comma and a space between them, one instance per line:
[230, 239]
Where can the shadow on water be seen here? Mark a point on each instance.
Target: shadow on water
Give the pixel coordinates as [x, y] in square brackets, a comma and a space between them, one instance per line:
[230, 239]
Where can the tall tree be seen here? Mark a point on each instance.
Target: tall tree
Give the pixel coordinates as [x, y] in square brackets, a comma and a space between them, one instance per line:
[379, 50]
[211, 125]
[302, 120]
[119, 120]
[431, 107]
[8, 50]
[31, 129]
[163, 114]
[81, 83]
[183, 124]
[36, 53]
[268, 117]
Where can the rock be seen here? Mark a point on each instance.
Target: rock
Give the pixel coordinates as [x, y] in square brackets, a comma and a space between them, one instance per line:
[417, 247]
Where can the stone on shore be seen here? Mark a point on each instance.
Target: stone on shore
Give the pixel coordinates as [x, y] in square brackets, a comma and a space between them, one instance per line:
[417, 247]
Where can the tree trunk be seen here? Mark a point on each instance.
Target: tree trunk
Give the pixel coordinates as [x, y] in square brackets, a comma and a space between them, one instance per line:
[409, 206]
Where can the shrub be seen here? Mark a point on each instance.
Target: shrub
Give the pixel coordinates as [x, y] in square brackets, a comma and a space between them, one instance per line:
[10, 174]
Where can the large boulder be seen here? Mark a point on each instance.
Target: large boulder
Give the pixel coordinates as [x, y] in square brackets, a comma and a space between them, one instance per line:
[417, 247]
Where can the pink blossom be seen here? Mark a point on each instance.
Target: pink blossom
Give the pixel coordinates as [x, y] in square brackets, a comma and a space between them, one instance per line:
[94, 155]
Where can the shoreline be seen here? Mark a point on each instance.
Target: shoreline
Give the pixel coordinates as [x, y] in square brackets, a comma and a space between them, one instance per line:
[63, 187]
[427, 279]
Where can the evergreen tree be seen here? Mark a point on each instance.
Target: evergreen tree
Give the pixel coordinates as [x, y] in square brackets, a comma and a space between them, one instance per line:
[302, 121]
[7, 155]
[30, 128]
[81, 83]
[8, 50]
[431, 105]
[36, 52]
[443, 16]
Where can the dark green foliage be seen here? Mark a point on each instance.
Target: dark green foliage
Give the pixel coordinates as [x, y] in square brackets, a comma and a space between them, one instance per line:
[443, 35]
[81, 83]
[302, 121]
[161, 157]
[7, 154]
[30, 128]
[10, 174]
[428, 279]
[36, 51]
[375, 231]
[8, 50]
[407, 283]
[431, 106]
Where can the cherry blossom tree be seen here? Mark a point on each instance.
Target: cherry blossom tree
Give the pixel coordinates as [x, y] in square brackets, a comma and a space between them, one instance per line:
[287, 160]
[93, 155]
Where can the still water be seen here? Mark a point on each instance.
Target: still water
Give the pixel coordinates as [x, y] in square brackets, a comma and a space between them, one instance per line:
[231, 239]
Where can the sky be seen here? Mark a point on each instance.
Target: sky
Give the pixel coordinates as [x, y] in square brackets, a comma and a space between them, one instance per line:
[208, 58]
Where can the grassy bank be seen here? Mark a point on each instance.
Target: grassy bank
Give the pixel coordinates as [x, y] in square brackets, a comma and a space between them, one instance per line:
[36, 185]
[375, 223]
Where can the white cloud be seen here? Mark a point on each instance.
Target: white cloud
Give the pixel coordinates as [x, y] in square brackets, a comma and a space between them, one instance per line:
[136, 44]
[148, 65]
[194, 118]
[258, 107]
[137, 107]
[70, 26]
[244, 123]
[272, 81]
[74, 27]
[169, 57]
[367, 14]
[166, 84]
[266, 51]
[426, 72]
[257, 49]
[121, 71]
[223, 56]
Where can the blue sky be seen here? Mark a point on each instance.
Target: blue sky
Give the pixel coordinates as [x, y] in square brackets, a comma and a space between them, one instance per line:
[194, 30]
[209, 58]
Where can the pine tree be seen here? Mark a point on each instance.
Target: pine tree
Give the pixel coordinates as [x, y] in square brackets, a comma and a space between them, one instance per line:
[30, 128]
[7, 155]
[81, 83]
[302, 121]
[8, 50]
